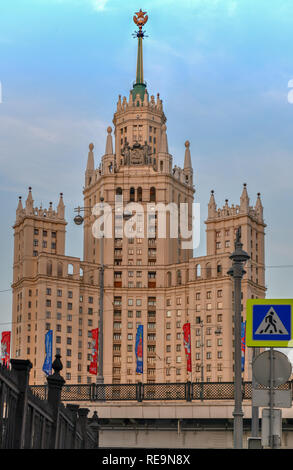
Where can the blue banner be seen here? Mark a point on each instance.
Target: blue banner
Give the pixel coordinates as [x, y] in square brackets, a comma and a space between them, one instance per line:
[47, 367]
[139, 349]
[243, 341]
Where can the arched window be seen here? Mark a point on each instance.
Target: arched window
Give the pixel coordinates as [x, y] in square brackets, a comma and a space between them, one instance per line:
[161, 165]
[81, 273]
[152, 194]
[70, 270]
[60, 269]
[197, 271]
[169, 279]
[219, 269]
[119, 191]
[49, 268]
[179, 278]
[119, 194]
[132, 195]
[139, 194]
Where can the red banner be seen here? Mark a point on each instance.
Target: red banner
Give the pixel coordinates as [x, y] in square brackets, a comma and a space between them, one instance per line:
[5, 348]
[187, 345]
[93, 369]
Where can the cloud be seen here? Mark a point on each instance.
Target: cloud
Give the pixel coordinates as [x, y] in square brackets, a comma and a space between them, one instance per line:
[99, 5]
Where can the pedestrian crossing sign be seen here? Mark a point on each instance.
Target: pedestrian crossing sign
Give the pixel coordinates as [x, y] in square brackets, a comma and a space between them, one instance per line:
[269, 323]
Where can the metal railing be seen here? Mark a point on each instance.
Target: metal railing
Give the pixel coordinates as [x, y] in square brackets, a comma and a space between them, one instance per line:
[185, 391]
[30, 419]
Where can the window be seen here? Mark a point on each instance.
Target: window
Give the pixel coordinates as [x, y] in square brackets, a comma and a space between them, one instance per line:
[132, 195]
[152, 194]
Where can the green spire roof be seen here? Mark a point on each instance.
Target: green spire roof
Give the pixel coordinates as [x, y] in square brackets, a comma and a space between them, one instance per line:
[139, 86]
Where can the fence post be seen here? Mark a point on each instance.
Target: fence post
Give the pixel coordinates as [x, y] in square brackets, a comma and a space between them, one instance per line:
[82, 414]
[21, 368]
[55, 384]
[188, 391]
[93, 392]
[139, 391]
[74, 409]
[95, 426]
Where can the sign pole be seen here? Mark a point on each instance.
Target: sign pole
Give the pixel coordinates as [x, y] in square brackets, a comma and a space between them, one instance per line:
[271, 438]
[254, 409]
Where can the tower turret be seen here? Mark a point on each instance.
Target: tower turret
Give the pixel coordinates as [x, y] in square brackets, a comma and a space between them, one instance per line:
[29, 203]
[212, 207]
[90, 167]
[244, 200]
[108, 160]
[187, 171]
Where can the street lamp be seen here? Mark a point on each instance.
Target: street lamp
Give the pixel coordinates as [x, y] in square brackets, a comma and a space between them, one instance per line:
[78, 220]
[239, 258]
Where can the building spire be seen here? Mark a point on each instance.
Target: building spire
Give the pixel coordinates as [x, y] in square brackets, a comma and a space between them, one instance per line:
[60, 207]
[90, 167]
[109, 142]
[259, 207]
[212, 207]
[164, 140]
[29, 203]
[140, 18]
[187, 157]
[244, 200]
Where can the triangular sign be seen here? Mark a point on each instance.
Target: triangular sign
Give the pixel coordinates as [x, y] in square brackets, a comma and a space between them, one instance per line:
[271, 325]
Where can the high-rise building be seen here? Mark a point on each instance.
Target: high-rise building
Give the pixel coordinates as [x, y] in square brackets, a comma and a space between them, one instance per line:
[148, 279]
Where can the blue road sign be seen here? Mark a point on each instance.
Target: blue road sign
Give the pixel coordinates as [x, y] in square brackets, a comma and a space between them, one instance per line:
[269, 322]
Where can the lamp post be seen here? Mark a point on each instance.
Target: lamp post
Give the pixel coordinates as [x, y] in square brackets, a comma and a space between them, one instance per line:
[238, 257]
[78, 220]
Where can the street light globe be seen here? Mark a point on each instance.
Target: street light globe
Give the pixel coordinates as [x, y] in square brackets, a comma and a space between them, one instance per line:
[78, 219]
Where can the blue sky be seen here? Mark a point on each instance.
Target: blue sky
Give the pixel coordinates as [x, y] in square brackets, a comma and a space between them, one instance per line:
[222, 68]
